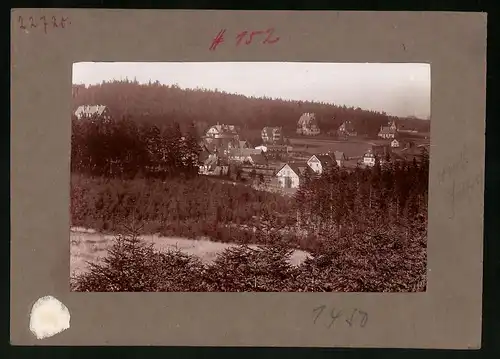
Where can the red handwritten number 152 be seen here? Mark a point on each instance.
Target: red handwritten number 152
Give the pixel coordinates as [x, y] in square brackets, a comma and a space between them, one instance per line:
[245, 35]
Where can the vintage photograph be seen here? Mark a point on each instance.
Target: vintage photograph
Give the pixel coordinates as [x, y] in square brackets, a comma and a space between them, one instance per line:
[249, 177]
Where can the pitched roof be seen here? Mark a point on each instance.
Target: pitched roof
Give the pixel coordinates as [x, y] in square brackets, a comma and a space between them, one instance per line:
[325, 159]
[90, 110]
[387, 130]
[225, 129]
[347, 126]
[295, 167]
[242, 143]
[245, 152]
[259, 159]
[307, 120]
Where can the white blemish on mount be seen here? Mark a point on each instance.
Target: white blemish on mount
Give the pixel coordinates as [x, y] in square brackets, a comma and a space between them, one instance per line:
[48, 317]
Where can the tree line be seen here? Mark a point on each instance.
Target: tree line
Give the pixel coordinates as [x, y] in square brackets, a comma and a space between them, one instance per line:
[389, 195]
[337, 203]
[124, 148]
[158, 103]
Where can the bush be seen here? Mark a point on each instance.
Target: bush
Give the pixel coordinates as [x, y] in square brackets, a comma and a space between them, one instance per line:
[367, 263]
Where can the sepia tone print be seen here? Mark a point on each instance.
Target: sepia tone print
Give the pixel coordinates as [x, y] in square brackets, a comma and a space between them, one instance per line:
[249, 177]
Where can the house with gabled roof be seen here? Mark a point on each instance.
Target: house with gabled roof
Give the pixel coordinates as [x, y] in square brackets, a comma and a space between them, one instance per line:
[347, 129]
[271, 134]
[223, 131]
[244, 144]
[93, 111]
[340, 157]
[308, 125]
[320, 162]
[369, 158]
[243, 154]
[388, 132]
[289, 174]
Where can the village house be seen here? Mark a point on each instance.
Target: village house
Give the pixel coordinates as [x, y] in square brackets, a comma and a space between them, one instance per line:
[223, 138]
[319, 162]
[254, 172]
[223, 131]
[212, 165]
[340, 157]
[93, 111]
[375, 152]
[244, 155]
[308, 125]
[220, 145]
[395, 143]
[347, 130]
[271, 134]
[388, 132]
[289, 175]
[385, 154]
[279, 148]
[368, 158]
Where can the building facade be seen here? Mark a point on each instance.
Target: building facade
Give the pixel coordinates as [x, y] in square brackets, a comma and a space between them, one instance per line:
[308, 125]
[93, 111]
[289, 176]
[271, 134]
[347, 130]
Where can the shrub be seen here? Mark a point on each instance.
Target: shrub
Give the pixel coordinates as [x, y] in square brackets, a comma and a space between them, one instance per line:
[370, 262]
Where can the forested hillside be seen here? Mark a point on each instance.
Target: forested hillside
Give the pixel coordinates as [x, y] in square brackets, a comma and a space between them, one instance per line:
[157, 103]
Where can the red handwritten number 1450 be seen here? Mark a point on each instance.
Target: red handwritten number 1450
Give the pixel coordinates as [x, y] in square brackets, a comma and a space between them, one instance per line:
[242, 35]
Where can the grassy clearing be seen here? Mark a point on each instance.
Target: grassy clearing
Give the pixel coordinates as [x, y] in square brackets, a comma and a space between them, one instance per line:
[372, 262]
[90, 246]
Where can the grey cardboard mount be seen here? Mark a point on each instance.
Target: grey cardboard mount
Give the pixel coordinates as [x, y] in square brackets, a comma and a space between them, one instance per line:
[447, 315]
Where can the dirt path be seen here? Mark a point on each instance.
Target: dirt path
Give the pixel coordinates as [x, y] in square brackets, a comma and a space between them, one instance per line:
[87, 245]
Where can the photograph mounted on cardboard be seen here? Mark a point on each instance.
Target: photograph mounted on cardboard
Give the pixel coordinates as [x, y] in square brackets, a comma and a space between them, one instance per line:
[249, 177]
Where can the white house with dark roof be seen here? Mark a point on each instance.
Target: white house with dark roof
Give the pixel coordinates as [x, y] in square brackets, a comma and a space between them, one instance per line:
[388, 132]
[90, 111]
[223, 131]
[395, 143]
[319, 162]
[308, 125]
[347, 129]
[289, 175]
[369, 158]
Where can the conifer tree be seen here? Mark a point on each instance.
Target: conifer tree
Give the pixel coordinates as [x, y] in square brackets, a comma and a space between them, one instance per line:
[192, 149]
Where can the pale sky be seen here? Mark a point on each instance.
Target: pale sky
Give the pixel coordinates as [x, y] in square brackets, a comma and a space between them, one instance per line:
[400, 89]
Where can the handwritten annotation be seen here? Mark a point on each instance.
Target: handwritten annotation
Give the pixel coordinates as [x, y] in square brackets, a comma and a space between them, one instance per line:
[246, 38]
[328, 316]
[43, 22]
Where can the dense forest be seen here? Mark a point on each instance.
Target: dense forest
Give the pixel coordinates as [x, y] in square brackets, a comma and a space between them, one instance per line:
[158, 103]
[125, 149]
[337, 203]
